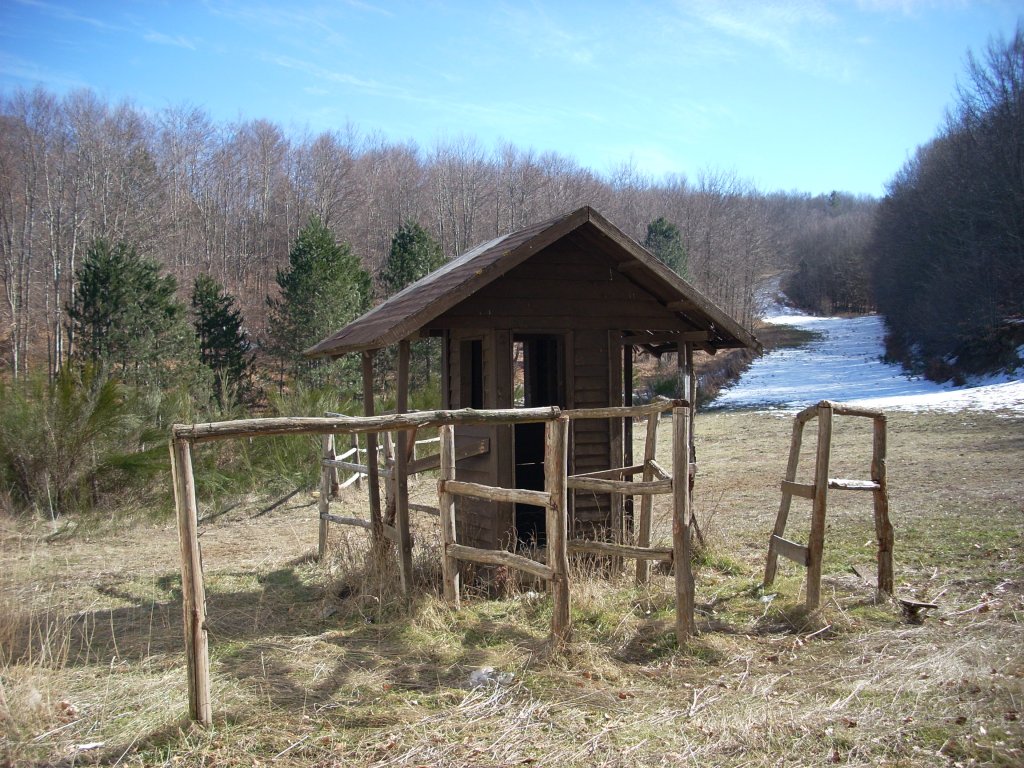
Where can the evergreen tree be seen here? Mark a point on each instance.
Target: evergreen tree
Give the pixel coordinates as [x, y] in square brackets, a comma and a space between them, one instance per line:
[665, 242]
[323, 288]
[125, 317]
[222, 344]
[414, 254]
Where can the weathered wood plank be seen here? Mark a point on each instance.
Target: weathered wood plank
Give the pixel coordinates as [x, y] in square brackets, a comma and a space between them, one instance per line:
[293, 425]
[193, 587]
[849, 410]
[642, 554]
[840, 484]
[681, 525]
[816, 542]
[490, 493]
[500, 557]
[446, 506]
[628, 487]
[798, 553]
[803, 490]
[883, 527]
[556, 524]
[323, 503]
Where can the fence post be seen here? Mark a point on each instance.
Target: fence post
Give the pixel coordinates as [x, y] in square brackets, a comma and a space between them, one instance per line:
[193, 590]
[446, 506]
[327, 475]
[647, 501]
[681, 523]
[816, 543]
[557, 524]
[401, 468]
[883, 528]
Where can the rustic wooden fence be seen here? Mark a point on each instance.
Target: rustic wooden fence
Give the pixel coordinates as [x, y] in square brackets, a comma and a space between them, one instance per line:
[553, 498]
[810, 556]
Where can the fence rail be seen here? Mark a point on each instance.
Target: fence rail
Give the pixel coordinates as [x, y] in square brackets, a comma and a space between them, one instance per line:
[553, 499]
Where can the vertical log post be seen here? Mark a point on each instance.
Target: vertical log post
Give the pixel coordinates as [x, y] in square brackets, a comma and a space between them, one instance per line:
[681, 524]
[377, 540]
[647, 500]
[193, 590]
[446, 506]
[883, 528]
[402, 474]
[327, 476]
[787, 499]
[627, 438]
[557, 524]
[816, 545]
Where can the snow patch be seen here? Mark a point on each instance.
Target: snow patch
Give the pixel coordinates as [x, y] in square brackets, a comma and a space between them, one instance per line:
[845, 364]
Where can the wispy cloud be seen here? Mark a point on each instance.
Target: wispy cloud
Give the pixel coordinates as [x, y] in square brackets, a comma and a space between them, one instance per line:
[792, 31]
[179, 41]
[18, 68]
[322, 73]
[540, 33]
[64, 13]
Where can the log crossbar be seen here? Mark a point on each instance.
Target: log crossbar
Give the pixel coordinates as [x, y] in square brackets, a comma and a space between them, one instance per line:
[810, 556]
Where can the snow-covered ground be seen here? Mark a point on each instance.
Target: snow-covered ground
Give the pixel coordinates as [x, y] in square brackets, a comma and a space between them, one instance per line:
[845, 366]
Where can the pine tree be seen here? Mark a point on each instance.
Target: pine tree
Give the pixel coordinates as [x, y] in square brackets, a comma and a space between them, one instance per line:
[665, 242]
[322, 289]
[126, 318]
[223, 346]
[414, 254]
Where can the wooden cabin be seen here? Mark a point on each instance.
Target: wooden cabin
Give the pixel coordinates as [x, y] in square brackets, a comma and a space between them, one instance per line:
[555, 308]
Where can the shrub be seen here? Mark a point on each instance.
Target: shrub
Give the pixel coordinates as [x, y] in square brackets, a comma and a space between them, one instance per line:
[64, 443]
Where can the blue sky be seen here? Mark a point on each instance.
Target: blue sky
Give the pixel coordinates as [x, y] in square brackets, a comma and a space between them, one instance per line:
[803, 96]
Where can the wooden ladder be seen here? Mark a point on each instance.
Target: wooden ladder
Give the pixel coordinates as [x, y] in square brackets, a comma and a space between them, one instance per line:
[810, 556]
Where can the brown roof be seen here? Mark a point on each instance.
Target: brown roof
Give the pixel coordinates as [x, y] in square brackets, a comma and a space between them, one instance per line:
[413, 308]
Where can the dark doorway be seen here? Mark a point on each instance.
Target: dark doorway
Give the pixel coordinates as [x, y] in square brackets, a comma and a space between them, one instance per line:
[543, 381]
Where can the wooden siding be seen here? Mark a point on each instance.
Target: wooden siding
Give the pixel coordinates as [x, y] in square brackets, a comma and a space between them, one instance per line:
[567, 286]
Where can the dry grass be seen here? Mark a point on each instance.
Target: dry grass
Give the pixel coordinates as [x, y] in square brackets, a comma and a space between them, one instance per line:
[320, 666]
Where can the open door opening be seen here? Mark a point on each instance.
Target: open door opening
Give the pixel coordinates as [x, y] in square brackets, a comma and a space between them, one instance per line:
[543, 382]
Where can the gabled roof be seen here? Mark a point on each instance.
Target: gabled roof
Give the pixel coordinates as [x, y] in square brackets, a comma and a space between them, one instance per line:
[416, 306]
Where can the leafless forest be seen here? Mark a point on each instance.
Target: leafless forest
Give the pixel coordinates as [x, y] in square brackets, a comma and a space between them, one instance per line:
[229, 200]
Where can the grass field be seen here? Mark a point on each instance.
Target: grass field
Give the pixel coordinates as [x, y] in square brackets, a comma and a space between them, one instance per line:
[312, 666]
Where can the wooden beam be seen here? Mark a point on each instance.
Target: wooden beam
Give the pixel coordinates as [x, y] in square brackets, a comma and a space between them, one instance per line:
[681, 522]
[490, 493]
[798, 553]
[324, 502]
[372, 474]
[803, 490]
[883, 527]
[402, 475]
[446, 505]
[193, 588]
[306, 425]
[642, 554]
[625, 487]
[557, 525]
[839, 484]
[816, 542]
[641, 339]
[500, 557]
